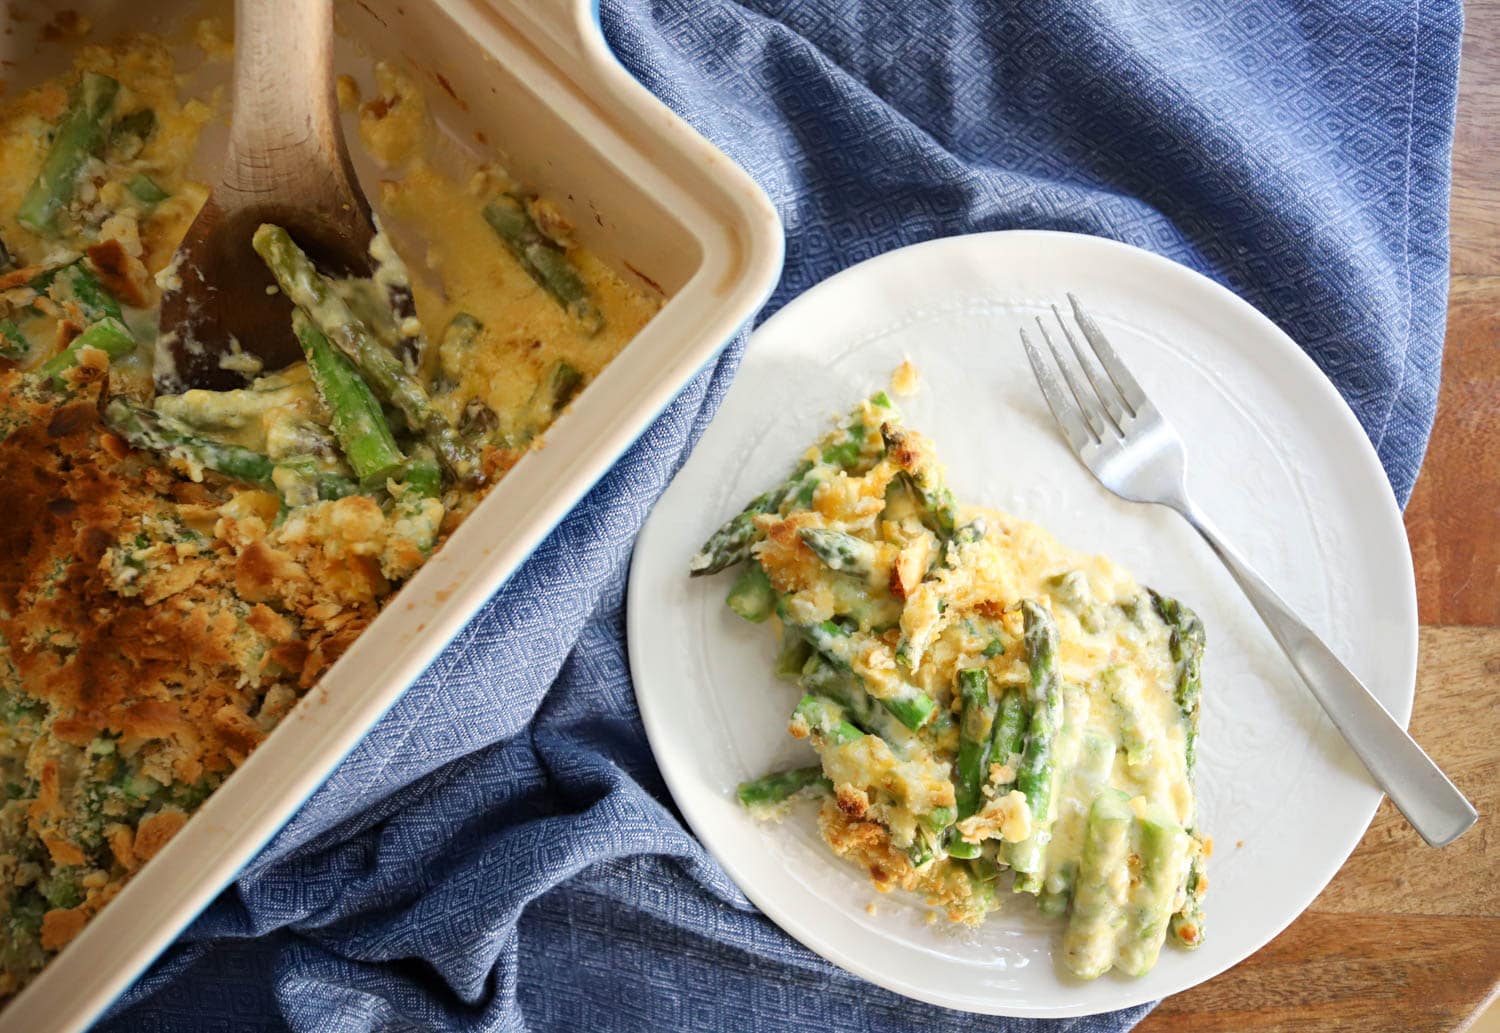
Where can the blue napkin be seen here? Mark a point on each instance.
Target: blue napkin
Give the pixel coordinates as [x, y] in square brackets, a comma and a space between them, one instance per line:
[501, 853]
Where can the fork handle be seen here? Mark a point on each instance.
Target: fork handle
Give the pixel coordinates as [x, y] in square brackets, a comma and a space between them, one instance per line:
[1418, 788]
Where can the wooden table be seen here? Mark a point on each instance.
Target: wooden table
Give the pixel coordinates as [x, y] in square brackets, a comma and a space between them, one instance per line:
[1407, 938]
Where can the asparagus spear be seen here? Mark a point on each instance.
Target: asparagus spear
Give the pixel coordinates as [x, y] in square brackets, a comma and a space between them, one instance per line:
[913, 455]
[731, 542]
[1090, 778]
[848, 447]
[354, 413]
[80, 135]
[1057, 890]
[75, 282]
[839, 551]
[13, 343]
[778, 787]
[1038, 774]
[1089, 943]
[752, 596]
[956, 846]
[421, 474]
[934, 830]
[559, 387]
[384, 373]
[821, 678]
[1163, 853]
[148, 429]
[792, 657]
[543, 260]
[910, 705]
[302, 481]
[146, 190]
[108, 335]
[824, 720]
[1009, 739]
[975, 729]
[1186, 645]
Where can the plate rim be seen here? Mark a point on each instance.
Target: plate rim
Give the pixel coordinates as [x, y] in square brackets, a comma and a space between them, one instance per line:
[1389, 515]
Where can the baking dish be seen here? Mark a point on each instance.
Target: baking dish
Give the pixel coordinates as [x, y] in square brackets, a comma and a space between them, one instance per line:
[648, 195]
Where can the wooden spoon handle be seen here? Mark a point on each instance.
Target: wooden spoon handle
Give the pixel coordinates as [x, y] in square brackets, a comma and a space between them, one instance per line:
[285, 147]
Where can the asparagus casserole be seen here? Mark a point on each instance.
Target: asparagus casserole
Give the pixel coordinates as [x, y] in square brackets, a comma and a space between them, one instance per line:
[176, 571]
[987, 706]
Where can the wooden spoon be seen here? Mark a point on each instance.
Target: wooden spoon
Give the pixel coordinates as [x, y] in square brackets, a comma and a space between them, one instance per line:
[286, 163]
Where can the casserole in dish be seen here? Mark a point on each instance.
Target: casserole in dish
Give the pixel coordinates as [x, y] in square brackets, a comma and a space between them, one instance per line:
[655, 203]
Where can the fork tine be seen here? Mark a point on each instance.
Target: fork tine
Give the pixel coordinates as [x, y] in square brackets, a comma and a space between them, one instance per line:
[1086, 402]
[1105, 392]
[1069, 420]
[1135, 398]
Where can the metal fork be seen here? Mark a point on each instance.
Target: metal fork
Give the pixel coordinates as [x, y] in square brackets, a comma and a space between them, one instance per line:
[1134, 452]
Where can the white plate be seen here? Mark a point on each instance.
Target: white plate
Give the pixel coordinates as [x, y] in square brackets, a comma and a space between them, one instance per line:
[1274, 455]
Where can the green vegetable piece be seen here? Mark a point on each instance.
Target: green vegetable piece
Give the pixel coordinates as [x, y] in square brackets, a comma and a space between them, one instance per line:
[781, 786]
[1009, 739]
[752, 596]
[355, 414]
[108, 335]
[1187, 924]
[543, 260]
[1037, 777]
[79, 136]
[146, 190]
[77, 283]
[792, 656]
[911, 706]
[552, 395]
[841, 552]
[386, 375]
[1186, 646]
[301, 481]
[13, 343]
[731, 542]
[958, 847]
[1089, 943]
[421, 474]
[1057, 890]
[975, 728]
[150, 430]
[1163, 854]
[919, 467]
[825, 720]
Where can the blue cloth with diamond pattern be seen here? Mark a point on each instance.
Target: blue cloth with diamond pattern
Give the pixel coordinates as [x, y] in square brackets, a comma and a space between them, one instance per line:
[500, 853]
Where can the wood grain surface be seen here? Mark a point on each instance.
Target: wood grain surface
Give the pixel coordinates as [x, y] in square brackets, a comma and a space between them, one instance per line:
[1406, 939]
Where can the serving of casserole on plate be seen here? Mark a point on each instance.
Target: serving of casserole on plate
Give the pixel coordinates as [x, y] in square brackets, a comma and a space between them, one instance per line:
[983, 701]
[179, 570]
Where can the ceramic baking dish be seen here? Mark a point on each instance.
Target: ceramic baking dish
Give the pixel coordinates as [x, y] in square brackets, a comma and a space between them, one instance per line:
[649, 196]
